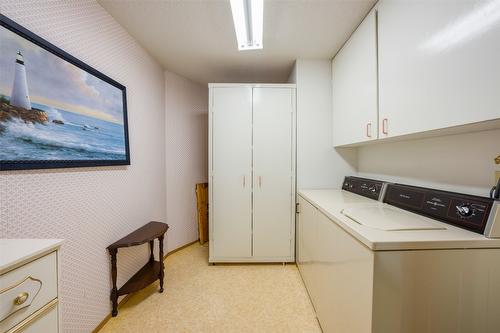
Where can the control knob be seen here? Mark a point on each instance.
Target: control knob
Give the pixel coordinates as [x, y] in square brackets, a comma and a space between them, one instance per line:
[464, 210]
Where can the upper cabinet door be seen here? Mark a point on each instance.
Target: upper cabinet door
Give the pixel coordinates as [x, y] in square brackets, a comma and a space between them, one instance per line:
[438, 64]
[354, 72]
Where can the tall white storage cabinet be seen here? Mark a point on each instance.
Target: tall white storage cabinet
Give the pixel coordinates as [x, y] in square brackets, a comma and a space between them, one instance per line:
[252, 172]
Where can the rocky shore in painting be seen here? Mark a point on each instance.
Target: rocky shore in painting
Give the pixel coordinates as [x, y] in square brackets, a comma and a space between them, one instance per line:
[28, 116]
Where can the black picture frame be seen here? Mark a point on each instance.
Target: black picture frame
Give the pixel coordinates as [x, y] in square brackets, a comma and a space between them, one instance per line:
[6, 165]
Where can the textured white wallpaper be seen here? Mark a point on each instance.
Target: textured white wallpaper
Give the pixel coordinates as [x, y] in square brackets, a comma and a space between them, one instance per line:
[187, 154]
[92, 207]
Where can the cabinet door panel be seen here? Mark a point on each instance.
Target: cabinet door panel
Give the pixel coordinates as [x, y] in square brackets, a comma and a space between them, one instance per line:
[231, 172]
[438, 64]
[354, 72]
[344, 275]
[273, 183]
[306, 252]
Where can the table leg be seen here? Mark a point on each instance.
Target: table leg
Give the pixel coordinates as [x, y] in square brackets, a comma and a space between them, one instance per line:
[151, 248]
[162, 266]
[114, 291]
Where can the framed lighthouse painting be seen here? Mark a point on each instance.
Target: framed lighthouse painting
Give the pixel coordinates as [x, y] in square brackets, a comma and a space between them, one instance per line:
[55, 110]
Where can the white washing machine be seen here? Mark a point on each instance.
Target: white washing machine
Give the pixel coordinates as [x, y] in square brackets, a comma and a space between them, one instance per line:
[416, 260]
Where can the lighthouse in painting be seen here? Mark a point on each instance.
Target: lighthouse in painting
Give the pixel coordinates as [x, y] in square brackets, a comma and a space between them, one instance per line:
[20, 96]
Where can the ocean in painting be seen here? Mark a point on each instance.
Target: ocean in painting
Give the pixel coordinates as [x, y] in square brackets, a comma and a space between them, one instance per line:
[73, 137]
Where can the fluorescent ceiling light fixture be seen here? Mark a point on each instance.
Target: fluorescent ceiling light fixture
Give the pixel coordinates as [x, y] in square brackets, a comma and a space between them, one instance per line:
[248, 18]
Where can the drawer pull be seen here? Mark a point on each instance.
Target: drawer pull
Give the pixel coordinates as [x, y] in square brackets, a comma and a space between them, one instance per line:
[21, 298]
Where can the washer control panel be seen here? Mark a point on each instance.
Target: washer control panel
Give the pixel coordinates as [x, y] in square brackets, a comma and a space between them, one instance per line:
[466, 211]
[366, 187]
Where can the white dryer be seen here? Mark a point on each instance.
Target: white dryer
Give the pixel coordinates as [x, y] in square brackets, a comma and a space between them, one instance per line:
[400, 258]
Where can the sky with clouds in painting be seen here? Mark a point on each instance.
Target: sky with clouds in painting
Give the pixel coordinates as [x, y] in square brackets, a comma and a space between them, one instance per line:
[56, 83]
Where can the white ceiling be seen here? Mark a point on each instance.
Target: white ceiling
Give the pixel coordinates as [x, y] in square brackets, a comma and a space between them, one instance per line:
[196, 38]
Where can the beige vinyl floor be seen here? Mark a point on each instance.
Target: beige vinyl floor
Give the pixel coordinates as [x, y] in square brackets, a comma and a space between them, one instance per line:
[221, 298]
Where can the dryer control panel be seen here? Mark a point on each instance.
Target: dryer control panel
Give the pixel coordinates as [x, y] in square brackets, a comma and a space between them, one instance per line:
[466, 211]
[369, 188]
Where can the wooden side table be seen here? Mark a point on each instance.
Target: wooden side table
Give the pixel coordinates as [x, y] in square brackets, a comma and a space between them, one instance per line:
[148, 273]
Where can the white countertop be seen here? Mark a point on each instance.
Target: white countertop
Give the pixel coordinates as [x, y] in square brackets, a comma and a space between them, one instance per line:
[15, 252]
[332, 202]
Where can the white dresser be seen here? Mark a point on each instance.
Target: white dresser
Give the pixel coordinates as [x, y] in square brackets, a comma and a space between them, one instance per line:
[29, 285]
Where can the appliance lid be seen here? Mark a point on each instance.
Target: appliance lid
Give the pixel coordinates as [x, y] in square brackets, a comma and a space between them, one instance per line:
[388, 218]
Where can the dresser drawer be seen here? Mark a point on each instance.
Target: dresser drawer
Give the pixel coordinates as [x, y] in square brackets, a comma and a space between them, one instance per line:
[27, 289]
[46, 322]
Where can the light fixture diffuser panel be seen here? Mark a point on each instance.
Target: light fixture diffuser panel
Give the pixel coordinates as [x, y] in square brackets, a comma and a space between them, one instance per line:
[248, 18]
[257, 23]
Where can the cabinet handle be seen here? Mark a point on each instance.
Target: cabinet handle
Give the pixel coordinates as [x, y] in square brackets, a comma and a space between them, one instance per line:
[244, 181]
[369, 130]
[384, 126]
[260, 181]
[21, 298]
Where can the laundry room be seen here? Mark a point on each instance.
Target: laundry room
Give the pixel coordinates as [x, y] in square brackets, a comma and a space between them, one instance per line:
[249, 166]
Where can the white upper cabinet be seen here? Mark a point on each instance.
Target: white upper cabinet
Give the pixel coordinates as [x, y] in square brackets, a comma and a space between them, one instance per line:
[354, 72]
[439, 64]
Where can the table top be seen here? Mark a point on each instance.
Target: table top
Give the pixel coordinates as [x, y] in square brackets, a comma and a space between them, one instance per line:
[146, 233]
[16, 252]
